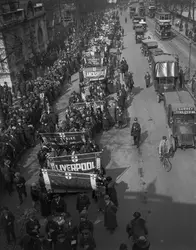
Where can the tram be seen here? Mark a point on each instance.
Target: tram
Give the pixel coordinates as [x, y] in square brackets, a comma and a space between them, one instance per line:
[163, 25]
[151, 11]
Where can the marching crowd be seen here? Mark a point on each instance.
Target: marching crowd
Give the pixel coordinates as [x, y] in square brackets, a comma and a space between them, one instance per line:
[33, 108]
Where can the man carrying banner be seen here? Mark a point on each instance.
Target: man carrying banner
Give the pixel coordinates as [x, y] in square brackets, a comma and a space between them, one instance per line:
[83, 202]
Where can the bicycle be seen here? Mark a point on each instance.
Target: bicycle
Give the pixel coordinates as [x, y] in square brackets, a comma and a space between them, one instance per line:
[166, 162]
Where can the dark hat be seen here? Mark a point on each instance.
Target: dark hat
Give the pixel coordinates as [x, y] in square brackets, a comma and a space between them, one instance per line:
[123, 247]
[61, 236]
[106, 197]
[108, 178]
[142, 242]
[136, 215]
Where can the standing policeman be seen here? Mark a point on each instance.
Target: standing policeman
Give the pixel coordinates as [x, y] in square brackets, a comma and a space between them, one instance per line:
[20, 186]
[147, 79]
[136, 132]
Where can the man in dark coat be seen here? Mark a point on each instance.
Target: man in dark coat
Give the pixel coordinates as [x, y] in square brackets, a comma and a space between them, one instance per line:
[52, 230]
[62, 243]
[83, 202]
[87, 241]
[20, 186]
[136, 132]
[147, 79]
[7, 223]
[119, 117]
[110, 221]
[111, 190]
[33, 226]
[58, 205]
[85, 224]
[53, 120]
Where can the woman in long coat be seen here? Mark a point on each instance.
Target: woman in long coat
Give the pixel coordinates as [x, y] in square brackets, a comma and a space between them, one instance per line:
[110, 221]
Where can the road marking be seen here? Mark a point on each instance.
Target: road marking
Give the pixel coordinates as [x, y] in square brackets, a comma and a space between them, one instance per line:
[133, 197]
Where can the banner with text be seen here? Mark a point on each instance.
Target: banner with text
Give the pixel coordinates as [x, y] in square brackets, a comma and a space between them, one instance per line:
[61, 182]
[76, 163]
[94, 105]
[95, 74]
[65, 138]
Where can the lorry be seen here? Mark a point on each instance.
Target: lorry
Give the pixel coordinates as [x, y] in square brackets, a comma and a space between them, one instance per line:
[139, 33]
[178, 103]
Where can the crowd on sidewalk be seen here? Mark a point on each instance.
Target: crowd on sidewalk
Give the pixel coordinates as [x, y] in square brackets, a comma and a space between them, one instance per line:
[21, 113]
[59, 230]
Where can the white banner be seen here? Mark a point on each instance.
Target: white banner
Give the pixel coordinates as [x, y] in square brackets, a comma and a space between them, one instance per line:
[96, 75]
[112, 1]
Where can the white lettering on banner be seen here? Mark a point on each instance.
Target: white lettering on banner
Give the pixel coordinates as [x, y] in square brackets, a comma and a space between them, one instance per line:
[65, 137]
[95, 74]
[74, 167]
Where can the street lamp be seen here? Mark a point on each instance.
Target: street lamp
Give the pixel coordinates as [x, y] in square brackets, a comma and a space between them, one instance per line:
[189, 68]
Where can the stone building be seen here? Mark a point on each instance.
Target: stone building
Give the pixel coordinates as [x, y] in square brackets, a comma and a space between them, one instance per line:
[23, 36]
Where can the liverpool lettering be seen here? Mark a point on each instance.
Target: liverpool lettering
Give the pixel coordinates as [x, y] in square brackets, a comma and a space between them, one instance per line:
[78, 167]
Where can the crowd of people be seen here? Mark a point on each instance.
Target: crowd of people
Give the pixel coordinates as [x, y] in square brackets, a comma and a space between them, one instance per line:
[31, 111]
[60, 231]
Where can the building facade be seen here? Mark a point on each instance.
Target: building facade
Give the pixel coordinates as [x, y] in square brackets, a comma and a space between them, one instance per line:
[23, 34]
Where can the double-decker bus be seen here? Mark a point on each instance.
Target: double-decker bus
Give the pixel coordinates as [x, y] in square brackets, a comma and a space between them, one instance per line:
[163, 25]
[151, 11]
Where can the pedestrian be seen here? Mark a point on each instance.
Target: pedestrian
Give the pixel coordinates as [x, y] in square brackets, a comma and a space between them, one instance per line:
[58, 205]
[147, 79]
[35, 195]
[45, 203]
[71, 233]
[8, 177]
[136, 132]
[110, 220]
[111, 190]
[33, 226]
[62, 243]
[83, 202]
[85, 224]
[20, 186]
[123, 247]
[52, 231]
[87, 242]
[101, 192]
[141, 244]
[25, 242]
[7, 223]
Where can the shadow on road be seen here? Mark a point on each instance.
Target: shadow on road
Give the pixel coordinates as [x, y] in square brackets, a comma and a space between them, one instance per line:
[171, 224]
[137, 90]
[144, 136]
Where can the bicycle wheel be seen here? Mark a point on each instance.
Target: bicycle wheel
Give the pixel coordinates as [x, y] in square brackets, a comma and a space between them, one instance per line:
[167, 165]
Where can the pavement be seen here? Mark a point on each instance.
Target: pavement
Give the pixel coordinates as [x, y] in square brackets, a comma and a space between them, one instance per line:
[166, 200]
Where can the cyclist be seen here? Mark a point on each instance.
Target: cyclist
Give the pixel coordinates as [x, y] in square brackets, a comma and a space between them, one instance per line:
[164, 146]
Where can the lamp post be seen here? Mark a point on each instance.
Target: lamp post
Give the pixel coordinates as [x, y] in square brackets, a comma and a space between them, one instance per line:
[189, 68]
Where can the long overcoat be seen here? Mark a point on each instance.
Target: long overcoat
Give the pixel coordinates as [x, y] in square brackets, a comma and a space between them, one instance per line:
[110, 220]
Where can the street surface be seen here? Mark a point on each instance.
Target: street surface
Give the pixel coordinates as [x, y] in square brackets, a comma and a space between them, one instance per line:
[166, 200]
[178, 45]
